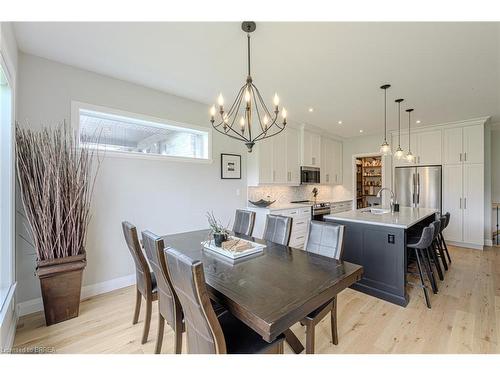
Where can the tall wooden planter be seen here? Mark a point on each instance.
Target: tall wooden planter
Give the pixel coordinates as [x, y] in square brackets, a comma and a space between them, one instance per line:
[61, 284]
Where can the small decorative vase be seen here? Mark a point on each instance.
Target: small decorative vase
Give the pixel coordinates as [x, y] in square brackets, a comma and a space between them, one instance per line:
[219, 238]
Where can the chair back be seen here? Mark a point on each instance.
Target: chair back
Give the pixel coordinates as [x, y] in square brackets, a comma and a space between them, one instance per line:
[325, 239]
[203, 331]
[425, 239]
[447, 216]
[168, 303]
[243, 222]
[142, 273]
[437, 227]
[278, 229]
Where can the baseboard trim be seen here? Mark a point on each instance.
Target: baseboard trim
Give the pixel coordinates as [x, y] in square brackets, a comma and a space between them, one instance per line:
[488, 242]
[465, 244]
[35, 305]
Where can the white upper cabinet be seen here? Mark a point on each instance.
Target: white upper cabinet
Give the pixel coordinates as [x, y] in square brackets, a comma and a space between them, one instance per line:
[292, 156]
[311, 149]
[452, 146]
[464, 145]
[331, 161]
[263, 155]
[428, 150]
[280, 171]
[473, 149]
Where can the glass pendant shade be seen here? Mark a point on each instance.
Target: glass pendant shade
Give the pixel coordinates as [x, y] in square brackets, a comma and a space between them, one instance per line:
[399, 153]
[385, 148]
[410, 157]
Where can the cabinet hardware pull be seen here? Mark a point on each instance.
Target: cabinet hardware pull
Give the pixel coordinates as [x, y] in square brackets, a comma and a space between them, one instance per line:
[274, 176]
[299, 237]
[313, 160]
[460, 156]
[301, 222]
[460, 203]
[465, 203]
[465, 156]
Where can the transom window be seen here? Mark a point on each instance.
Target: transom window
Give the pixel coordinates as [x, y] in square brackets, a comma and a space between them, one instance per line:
[128, 133]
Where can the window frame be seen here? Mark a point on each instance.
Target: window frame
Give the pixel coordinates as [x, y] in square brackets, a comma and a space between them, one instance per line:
[76, 106]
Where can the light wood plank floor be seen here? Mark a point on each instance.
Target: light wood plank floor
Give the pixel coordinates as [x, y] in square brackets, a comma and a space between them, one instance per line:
[465, 318]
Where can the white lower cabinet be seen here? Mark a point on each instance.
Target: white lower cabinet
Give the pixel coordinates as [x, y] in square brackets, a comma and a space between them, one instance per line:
[463, 198]
[300, 223]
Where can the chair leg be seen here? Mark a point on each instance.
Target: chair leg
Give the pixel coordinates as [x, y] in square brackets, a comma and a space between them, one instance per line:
[178, 334]
[441, 252]
[446, 249]
[138, 299]
[333, 318]
[147, 319]
[436, 260]
[428, 270]
[159, 337]
[310, 337]
[281, 348]
[419, 266]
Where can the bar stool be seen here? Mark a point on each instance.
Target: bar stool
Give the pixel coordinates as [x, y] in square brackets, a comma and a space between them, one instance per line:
[420, 249]
[434, 249]
[440, 247]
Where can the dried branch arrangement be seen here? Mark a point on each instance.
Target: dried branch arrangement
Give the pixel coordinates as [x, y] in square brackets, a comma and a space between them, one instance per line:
[57, 181]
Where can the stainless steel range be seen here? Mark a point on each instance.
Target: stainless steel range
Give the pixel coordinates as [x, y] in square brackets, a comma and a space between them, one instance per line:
[319, 209]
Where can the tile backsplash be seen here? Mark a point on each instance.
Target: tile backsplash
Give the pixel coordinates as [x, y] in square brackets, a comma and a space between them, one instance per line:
[286, 194]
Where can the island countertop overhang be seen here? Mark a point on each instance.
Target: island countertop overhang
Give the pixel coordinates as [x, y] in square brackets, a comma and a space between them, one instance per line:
[405, 218]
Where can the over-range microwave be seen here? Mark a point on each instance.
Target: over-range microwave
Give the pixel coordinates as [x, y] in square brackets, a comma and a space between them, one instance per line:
[309, 175]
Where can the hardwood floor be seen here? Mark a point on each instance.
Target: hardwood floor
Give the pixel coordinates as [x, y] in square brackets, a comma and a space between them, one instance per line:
[465, 318]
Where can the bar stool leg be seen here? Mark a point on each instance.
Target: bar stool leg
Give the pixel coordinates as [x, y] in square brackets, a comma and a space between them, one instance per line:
[428, 269]
[446, 248]
[419, 266]
[442, 255]
[435, 259]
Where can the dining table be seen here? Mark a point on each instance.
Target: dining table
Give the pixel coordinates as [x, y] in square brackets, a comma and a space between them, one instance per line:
[272, 290]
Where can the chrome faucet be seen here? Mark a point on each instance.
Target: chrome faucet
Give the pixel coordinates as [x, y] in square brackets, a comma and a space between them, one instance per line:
[379, 195]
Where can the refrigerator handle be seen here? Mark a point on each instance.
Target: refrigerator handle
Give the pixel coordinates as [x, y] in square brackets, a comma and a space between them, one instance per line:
[418, 188]
[414, 185]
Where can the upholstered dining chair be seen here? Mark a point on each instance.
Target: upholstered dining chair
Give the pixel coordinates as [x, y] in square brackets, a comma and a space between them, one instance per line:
[277, 229]
[326, 239]
[169, 307]
[243, 222]
[206, 332]
[145, 280]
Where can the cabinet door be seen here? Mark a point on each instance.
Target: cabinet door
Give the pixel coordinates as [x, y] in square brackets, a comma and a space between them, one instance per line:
[293, 156]
[453, 200]
[337, 163]
[265, 161]
[326, 161]
[452, 146]
[473, 144]
[429, 148]
[473, 204]
[279, 159]
[306, 148]
[315, 150]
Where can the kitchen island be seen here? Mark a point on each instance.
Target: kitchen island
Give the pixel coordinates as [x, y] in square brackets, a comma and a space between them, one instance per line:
[376, 239]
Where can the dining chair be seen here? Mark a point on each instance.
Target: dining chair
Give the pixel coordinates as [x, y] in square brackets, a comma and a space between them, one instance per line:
[169, 307]
[146, 286]
[244, 222]
[326, 239]
[206, 332]
[277, 229]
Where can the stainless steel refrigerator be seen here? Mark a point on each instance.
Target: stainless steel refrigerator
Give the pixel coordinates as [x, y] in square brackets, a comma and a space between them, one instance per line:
[418, 186]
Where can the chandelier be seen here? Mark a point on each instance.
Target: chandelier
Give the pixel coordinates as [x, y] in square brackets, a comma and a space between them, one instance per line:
[238, 121]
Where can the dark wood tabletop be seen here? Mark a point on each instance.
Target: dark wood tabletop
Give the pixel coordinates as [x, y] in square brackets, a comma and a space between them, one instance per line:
[272, 290]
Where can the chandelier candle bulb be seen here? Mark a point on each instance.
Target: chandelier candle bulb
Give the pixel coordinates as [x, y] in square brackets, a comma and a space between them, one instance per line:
[247, 96]
[212, 113]
[283, 113]
[276, 100]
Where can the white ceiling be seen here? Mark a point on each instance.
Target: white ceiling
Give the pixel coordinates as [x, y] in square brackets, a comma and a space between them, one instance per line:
[446, 71]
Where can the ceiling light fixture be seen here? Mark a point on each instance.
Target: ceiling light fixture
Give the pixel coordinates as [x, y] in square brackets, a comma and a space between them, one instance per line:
[418, 121]
[246, 105]
[409, 156]
[340, 122]
[311, 109]
[385, 149]
[399, 152]
[361, 130]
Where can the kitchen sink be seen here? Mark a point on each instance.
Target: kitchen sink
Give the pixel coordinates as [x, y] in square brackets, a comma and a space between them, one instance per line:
[377, 211]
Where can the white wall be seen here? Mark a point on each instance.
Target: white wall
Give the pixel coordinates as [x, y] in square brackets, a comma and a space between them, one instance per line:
[8, 61]
[162, 196]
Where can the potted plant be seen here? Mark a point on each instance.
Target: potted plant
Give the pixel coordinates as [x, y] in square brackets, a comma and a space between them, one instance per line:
[56, 180]
[217, 230]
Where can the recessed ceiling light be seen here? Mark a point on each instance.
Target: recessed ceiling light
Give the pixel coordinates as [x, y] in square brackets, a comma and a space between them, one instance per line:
[418, 121]
[361, 130]
[311, 109]
[340, 122]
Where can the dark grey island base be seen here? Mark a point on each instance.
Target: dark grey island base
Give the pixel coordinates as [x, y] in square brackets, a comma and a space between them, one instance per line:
[378, 243]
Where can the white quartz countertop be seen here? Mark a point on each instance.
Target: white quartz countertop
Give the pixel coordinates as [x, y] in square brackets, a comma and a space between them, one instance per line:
[280, 206]
[405, 218]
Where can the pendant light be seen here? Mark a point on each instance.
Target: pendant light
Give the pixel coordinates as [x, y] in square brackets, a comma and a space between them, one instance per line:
[399, 152]
[385, 149]
[409, 156]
